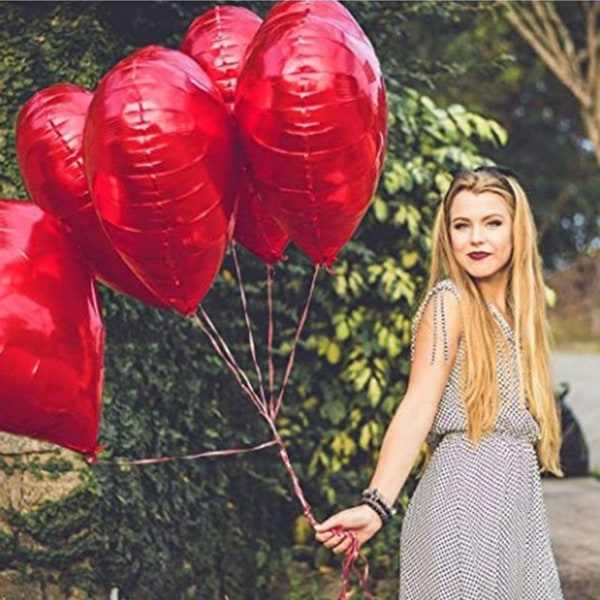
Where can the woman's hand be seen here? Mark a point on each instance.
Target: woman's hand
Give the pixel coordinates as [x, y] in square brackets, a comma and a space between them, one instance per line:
[360, 520]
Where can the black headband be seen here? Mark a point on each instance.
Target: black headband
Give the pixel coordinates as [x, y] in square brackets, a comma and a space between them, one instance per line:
[502, 173]
[497, 170]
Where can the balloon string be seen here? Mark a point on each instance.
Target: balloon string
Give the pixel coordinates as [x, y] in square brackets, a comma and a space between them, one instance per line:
[275, 407]
[224, 353]
[269, 414]
[349, 566]
[247, 319]
[306, 507]
[270, 332]
[211, 331]
[353, 554]
[209, 454]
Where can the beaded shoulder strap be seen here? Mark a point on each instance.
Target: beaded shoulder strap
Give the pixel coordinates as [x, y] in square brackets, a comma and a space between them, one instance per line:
[439, 318]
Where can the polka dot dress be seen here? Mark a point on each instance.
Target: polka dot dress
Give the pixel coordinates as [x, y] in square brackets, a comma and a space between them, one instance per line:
[476, 527]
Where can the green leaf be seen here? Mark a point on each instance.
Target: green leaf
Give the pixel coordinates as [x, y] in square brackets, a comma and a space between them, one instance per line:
[380, 209]
[374, 391]
[334, 411]
[409, 259]
[333, 353]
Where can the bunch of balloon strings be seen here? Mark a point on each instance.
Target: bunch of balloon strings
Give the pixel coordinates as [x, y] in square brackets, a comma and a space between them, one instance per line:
[268, 404]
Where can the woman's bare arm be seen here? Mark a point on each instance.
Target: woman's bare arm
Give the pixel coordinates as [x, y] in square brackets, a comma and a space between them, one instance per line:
[412, 420]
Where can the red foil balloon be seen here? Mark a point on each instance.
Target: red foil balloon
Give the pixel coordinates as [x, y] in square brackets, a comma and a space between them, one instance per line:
[311, 109]
[50, 154]
[162, 171]
[218, 40]
[255, 228]
[51, 332]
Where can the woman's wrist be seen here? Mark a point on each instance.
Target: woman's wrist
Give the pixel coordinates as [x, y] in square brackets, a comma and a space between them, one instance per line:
[373, 498]
[383, 519]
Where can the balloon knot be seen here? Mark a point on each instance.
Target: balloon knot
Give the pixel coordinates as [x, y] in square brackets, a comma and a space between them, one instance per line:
[91, 458]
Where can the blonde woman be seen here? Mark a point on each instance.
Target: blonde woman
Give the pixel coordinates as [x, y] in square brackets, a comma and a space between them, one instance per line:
[480, 392]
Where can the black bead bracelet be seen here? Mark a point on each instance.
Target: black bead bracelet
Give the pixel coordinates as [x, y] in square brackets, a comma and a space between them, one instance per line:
[377, 509]
[374, 500]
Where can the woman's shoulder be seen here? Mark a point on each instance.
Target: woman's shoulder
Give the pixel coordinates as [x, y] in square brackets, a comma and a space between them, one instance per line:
[436, 301]
[442, 289]
[440, 309]
[445, 285]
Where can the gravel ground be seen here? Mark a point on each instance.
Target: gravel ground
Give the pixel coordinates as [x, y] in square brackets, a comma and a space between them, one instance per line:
[573, 507]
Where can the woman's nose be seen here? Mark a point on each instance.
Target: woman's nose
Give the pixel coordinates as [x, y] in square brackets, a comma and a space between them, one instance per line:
[477, 235]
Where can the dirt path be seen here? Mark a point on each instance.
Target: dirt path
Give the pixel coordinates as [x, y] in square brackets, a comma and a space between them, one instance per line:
[574, 504]
[573, 507]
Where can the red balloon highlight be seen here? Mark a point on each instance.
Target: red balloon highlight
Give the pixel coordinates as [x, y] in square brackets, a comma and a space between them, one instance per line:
[51, 332]
[49, 138]
[217, 41]
[161, 168]
[312, 114]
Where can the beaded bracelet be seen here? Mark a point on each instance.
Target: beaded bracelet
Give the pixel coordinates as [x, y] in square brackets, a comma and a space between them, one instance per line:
[372, 498]
[377, 509]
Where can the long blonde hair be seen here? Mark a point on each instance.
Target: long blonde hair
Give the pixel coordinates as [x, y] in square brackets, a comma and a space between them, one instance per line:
[526, 302]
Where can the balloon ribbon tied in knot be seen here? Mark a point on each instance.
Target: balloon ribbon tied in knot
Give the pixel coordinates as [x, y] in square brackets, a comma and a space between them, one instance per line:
[349, 565]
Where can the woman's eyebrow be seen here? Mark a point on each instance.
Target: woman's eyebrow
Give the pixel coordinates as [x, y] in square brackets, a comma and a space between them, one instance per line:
[484, 217]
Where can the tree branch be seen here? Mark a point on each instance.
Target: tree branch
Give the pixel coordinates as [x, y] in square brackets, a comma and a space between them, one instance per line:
[563, 33]
[558, 39]
[591, 10]
[524, 22]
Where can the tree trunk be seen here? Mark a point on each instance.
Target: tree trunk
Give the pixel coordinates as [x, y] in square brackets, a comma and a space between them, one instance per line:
[591, 123]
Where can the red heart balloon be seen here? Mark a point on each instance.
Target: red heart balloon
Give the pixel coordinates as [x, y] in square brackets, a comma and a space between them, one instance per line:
[161, 168]
[218, 40]
[311, 109]
[51, 332]
[49, 137]
[255, 228]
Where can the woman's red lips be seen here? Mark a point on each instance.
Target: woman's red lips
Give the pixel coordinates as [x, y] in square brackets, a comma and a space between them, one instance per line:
[478, 255]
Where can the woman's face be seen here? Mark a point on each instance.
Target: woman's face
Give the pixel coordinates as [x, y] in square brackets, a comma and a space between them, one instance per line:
[481, 233]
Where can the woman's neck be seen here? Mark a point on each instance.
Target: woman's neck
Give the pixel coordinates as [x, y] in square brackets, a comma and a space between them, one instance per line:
[494, 290]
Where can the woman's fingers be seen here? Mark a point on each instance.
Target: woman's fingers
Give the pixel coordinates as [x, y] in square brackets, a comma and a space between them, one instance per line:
[333, 540]
[331, 534]
[338, 542]
[343, 546]
[323, 536]
[354, 518]
[338, 531]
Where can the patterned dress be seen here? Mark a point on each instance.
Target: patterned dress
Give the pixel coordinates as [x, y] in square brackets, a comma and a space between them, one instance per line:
[476, 527]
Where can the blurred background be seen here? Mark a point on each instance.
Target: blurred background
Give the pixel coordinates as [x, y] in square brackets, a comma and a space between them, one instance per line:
[469, 83]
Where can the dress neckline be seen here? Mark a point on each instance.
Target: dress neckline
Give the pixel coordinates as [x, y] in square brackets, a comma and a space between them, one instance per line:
[500, 317]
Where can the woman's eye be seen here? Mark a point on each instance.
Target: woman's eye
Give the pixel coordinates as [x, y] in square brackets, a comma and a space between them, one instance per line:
[460, 225]
[495, 223]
